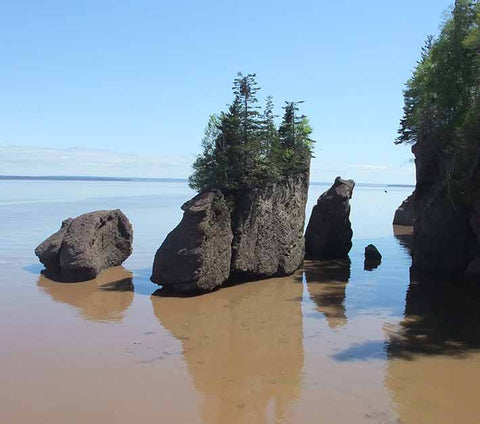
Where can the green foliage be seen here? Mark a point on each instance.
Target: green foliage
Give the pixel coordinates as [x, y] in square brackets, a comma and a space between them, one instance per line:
[243, 148]
[442, 98]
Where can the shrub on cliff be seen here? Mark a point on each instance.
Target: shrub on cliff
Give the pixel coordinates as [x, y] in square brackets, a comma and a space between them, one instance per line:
[243, 148]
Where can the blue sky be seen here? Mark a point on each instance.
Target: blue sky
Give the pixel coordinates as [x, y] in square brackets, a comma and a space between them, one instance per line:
[125, 88]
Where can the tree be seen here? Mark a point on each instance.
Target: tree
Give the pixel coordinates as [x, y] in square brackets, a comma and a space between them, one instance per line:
[243, 149]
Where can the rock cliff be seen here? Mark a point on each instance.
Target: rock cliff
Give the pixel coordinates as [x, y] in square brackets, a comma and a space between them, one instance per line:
[405, 214]
[446, 232]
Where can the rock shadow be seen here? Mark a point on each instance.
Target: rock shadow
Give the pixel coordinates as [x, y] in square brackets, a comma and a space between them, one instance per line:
[104, 299]
[326, 283]
[441, 318]
[243, 346]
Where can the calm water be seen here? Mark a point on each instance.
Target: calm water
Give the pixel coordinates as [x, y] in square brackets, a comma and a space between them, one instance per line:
[332, 344]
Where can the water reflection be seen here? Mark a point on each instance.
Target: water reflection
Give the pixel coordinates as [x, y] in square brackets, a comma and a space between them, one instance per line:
[105, 298]
[327, 282]
[404, 235]
[434, 354]
[243, 346]
[441, 318]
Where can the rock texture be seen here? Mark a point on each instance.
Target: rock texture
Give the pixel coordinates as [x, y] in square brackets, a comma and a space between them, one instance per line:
[405, 215]
[443, 239]
[268, 229]
[249, 235]
[196, 255]
[86, 245]
[329, 231]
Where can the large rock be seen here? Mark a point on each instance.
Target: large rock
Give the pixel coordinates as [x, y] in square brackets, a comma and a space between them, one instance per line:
[196, 255]
[442, 234]
[329, 231]
[268, 229]
[405, 214]
[86, 245]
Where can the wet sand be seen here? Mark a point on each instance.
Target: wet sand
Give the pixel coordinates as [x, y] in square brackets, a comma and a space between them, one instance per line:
[333, 343]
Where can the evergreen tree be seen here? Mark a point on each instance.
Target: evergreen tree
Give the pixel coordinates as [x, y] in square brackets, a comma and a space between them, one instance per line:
[242, 147]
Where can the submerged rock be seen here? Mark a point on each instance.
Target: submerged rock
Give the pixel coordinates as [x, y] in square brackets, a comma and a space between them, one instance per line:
[86, 245]
[268, 228]
[196, 255]
[329, 231]
[373, 258]
[405, 214]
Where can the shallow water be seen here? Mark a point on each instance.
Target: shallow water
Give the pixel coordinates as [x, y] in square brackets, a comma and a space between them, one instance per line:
[333, 343]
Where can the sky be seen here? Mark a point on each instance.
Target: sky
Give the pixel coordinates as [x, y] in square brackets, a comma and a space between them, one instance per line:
[125, 87]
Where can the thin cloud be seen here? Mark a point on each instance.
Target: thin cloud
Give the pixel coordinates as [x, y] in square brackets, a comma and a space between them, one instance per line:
[29, 160]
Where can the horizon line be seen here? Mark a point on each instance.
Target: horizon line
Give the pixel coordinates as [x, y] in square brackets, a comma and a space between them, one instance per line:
[151, 179]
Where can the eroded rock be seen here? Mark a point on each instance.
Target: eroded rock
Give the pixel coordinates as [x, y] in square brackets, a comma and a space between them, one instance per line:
[196, 255]
[268, 229]
[405, 214]
[86, 245]
[329, 231]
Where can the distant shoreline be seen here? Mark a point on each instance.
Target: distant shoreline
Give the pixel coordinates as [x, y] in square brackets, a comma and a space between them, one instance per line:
[160, 180]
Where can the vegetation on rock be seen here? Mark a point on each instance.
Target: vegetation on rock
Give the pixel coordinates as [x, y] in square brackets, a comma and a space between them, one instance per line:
[442, 98]
[243, 148]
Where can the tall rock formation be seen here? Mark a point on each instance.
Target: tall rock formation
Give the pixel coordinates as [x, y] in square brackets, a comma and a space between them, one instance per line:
[268, 227]
[250, 235]
[329, 231]
[444, 233]
[196, 255]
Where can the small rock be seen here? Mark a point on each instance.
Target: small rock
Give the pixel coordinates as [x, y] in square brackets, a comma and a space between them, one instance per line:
[373, 258]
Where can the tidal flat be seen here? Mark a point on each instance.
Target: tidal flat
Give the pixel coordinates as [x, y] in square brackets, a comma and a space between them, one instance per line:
[334, 343]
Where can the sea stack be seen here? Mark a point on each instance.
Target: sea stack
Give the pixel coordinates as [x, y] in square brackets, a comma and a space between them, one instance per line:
[196, 255]
[253, 234]
[86, 245]
[329, 231]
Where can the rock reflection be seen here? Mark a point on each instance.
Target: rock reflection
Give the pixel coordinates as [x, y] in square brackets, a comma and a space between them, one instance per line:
[404, 235]
[243, 346]
[327, 282]
[440, 318]
[105, 298]
[434, 354]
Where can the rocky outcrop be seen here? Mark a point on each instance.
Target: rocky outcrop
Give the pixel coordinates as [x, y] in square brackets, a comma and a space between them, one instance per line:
[268, 229]
[86, 245]
[405, 215]
[442, 240]
[329, 231]
[196, 255]
[250, 235]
